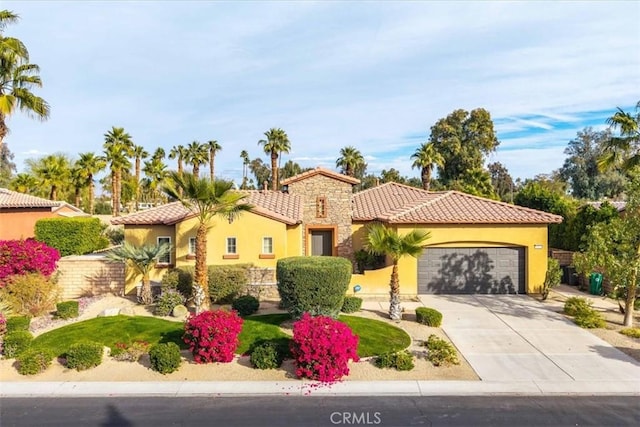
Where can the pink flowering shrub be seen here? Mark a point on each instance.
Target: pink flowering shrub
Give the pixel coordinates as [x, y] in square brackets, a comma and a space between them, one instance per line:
[212, 336]
[322, 348]
[18, 257]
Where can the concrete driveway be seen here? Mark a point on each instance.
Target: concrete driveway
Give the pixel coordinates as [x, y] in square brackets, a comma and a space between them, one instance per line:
[517, 338]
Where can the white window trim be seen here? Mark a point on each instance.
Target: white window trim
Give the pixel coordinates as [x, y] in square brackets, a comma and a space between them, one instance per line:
[263, 251]
[189, 246]
[158, 242]
[227, 245]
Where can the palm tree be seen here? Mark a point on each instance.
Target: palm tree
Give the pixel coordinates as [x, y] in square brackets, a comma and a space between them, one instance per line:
[350, 160]
[623, 150]
[52, 171]
[143, 259]
[383, 240]
[214, 147]
[179, 152]
[277, 142]
[118, 147]
[424, 158]
[139, 153]
[245, 168]
[206, 200]
[24, 183]
[156, 173]
[91, 165]
[197, 154]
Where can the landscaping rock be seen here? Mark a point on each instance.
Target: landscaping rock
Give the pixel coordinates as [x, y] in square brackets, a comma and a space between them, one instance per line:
[108, 312]
[180, 311]
[128, 311]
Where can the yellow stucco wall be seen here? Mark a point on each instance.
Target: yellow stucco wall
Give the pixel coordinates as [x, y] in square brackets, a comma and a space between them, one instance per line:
[533, 238]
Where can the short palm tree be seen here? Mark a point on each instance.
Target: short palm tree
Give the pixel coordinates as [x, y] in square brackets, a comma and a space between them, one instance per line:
[197, 154]
[206, 200]
[383, 240]
[277, 142]
[425, 157]
[350, 160]
[91, 165]
[623, 150]
[214, 147]
[143, 259]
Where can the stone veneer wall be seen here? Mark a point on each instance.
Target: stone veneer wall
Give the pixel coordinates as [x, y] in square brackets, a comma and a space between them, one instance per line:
[339, 208]
[90, 275]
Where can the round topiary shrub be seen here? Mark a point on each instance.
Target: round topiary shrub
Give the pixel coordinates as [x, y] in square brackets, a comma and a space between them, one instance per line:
[212, 336]
[34, 361]
[165, 357]
[351, 304]
[84, 355]
[246, 305]
[269, 354]
[428, 316]
[67, 309]
[313, 284]
[167, 302]
[16, 342]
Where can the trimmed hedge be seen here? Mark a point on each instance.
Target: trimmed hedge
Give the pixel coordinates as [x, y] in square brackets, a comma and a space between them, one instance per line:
[351, 304]
[246, 305]
[428, 316]
[313, 284]
[165, 357]
[16, 342]
[18, 323]
[84, 355]
[71, 236]
[269, 354]
[67, 309]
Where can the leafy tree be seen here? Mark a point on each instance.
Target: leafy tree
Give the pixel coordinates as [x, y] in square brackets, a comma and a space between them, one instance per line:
[17, 79]
[143, 259]
[206, 200]
[260, 171]
[91, 165]
[383, 240]
[392, 175]
[476, 182]
[277, 142]
[290, 169]
[24, 183]
[118, 146]
[214, 147]
[197, 154]
[624, 149]
[586, 217]
[245, 168]
[350, 161]
[501, 181]
[7, 167]
[425, 157]
[463, 139]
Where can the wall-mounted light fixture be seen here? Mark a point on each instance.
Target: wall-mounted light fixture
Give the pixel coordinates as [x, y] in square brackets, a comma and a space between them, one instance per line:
[537, 246]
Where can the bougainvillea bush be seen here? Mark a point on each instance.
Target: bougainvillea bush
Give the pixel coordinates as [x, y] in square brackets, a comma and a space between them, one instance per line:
[19, 257]
[322, 348]
[212, 336]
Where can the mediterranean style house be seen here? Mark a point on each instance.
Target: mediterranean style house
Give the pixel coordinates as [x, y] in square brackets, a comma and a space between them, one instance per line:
[477, 245]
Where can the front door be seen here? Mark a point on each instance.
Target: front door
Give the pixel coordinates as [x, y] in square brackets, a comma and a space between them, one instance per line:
[322, 242]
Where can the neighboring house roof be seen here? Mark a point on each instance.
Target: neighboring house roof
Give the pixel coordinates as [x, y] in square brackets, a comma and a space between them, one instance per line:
[321, 171]
[282, 207]
[12, 200]
[620, 206]
[397, 203]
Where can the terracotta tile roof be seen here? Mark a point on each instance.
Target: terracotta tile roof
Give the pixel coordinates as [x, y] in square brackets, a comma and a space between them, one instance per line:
[283, 207]
[320, 171]
[397, 203]
[13, 199]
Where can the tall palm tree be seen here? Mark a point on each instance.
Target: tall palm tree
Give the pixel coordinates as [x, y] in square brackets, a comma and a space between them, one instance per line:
[156, 173]
[24, 183]
[425, 157]
[214, 147]
[159, 154]
[383, 240]
[623, 150]
[52, 171]
[244, 155]
[197, 154]
[91, 165]
[350, 160]
[118, 147]
[178, 152]
[277, 142]
[139, 153]
[206, 200]
[143, 259]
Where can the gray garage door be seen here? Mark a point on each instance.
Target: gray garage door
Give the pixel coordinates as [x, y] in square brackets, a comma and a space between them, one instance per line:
[471, 271]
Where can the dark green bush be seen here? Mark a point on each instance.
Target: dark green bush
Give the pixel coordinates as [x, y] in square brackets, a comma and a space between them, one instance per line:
[313, 284]
[34, 361]
[575, 305]
[167, 301]
[84, 355]
[165, 357]
[179, 279]
[246, 305]
[71, 236]
[226, 282]
[401, 361]
[18, 323]
[441, 352]
[269, 354]
[351, 304]
[16, 342]
[102, 208]
[367, 261]
[589, 319]
[115, 235]
[428, 316]
[67, 309]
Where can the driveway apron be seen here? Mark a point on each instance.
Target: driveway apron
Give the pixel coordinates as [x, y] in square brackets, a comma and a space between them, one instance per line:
[517, 338]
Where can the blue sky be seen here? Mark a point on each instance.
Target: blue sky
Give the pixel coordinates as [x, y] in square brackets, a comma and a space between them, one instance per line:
[375, 75]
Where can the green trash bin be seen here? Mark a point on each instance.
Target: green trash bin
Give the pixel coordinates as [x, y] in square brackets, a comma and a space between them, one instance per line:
[595, 284]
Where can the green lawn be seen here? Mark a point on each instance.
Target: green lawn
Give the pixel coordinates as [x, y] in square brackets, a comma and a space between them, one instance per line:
[376, 337]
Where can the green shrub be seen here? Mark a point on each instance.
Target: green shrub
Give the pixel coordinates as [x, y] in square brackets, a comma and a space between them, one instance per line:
[552, 277]
[226, 282]
[16, 342]
[246, 305]
[71, 236]
[31, 294]
[401, 361]
[313, 284]
[631, 332]
[575, 305]
[589, 319]
[269, 354]
[34, 361]
[165, 357]
[84, 355]
[67, 309]
[179, 279]
[351, 304]
[102, 208]
[441, 352]
[129, 352]
[428, 316]
[167, 301]
[18, 323]
[115, 235]
[367, 261]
